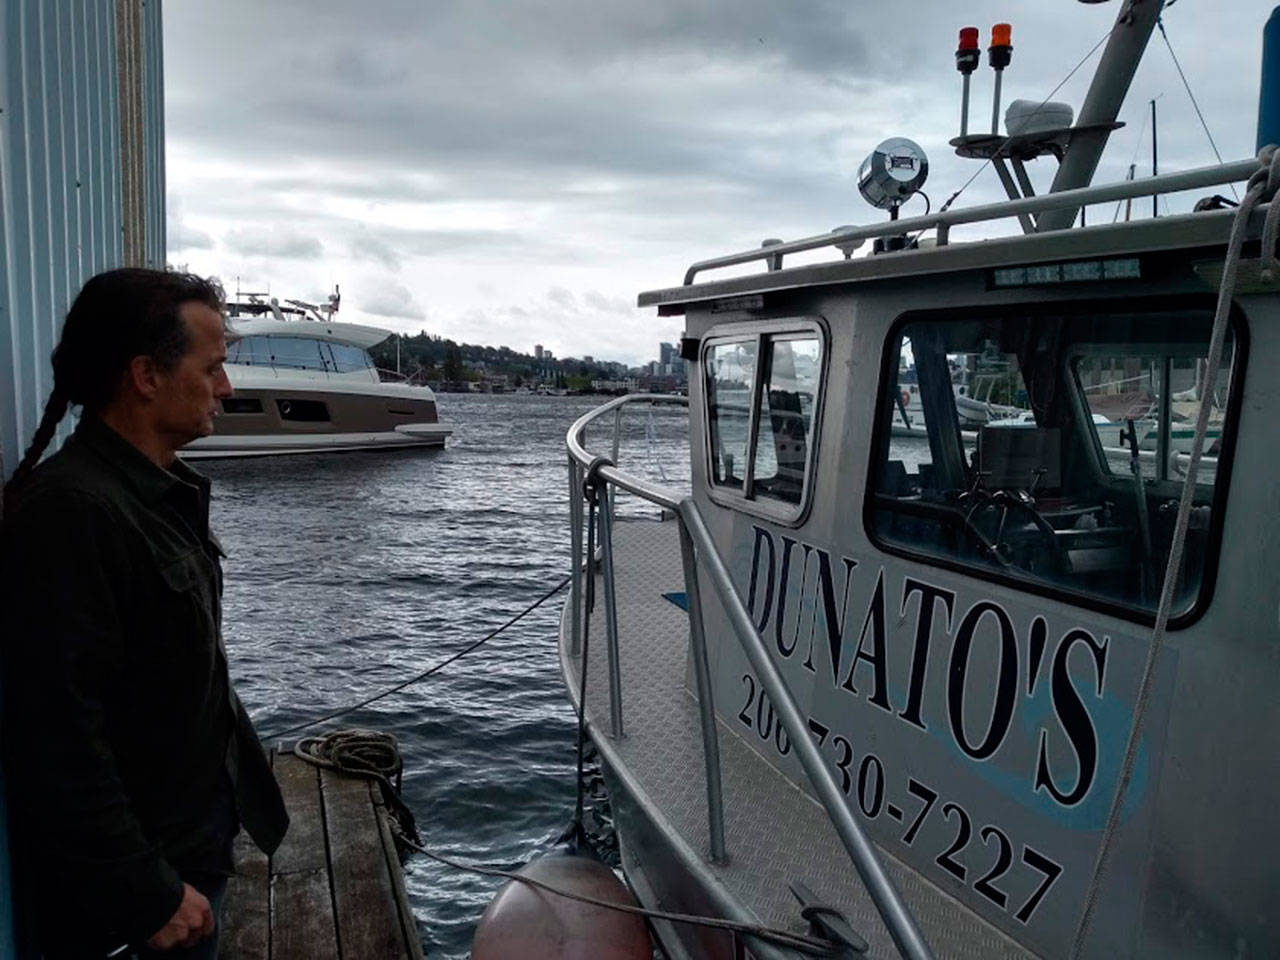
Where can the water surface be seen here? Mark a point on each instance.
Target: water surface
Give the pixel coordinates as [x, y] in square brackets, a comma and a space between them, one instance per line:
[347, 573]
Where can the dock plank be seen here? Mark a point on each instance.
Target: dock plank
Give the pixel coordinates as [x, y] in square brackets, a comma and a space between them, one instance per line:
[246, 910]
[302, 926]
[333, 890]
[365, 901]
[303, 846]
[392, 854]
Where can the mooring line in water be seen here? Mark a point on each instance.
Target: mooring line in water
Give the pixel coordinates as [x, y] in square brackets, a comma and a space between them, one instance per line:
[785, 938]
[425, 673]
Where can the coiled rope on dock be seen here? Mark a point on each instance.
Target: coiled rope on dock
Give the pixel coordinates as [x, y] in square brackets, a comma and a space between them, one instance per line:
[371, 754]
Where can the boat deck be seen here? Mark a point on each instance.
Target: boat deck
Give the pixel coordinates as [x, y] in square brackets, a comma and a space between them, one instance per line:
[334, 889]
[775, 833]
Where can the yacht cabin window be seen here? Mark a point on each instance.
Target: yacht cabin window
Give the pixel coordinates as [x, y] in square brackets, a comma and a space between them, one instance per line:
[298, 353]
[1048, 451]
[762, 389]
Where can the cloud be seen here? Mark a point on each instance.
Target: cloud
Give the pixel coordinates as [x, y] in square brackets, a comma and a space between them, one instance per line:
[180, 235]
[273, 242]
[183, 236]
[390, 299]
[369, 247]
[485, 153]
[562, 298]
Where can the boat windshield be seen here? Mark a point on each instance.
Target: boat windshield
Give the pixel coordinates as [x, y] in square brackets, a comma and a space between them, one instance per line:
[1049, 451]
[298, 353]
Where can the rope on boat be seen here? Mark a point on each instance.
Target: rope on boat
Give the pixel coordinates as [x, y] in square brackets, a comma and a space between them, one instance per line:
[342, 711]
[576, 834]
[1263, 185]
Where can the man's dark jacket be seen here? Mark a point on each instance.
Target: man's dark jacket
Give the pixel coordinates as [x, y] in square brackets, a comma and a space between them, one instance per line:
[128, 757]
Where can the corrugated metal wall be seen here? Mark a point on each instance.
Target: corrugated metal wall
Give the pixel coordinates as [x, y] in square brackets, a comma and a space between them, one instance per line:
[81, 191]
[81, 174]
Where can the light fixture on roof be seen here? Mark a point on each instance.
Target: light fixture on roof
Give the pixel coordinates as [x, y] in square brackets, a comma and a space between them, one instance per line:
[893, 173]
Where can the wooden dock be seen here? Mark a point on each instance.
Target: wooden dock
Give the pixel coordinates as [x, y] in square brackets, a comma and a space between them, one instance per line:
[333, 891]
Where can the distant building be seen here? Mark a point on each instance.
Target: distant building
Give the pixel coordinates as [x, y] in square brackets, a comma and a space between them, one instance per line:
[588, 359]
[667, 354]
[537, 351]
[617, 385]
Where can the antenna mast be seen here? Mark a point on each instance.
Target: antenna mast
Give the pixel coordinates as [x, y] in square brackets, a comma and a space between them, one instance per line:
[1129, 38]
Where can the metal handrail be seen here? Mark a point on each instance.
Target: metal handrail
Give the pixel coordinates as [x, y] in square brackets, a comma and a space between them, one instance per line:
[944, 220]
[663, 497]
[696, 542]
[893, 910]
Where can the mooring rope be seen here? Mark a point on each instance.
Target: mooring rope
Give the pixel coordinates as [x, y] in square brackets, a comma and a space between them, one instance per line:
[786, 938]
[576, 834]
[342, 711]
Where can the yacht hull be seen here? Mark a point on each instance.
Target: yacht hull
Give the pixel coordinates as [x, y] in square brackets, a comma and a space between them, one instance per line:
[294, 417]
[424, 435]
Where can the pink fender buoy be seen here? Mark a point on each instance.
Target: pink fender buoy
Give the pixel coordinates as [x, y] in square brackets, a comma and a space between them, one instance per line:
[526, 923]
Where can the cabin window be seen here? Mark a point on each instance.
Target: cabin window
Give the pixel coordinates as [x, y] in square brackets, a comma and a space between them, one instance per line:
[347, 359]
[303, 411]
[786, 417]
[1125, 394]
[250, 351]
[242, 405]
[294, 353]
[1049, 451]
[762, 391]
[300, 353]
[730, 373]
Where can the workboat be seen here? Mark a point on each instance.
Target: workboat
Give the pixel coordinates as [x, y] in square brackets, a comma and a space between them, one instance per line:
[305, 383]
[994, 689]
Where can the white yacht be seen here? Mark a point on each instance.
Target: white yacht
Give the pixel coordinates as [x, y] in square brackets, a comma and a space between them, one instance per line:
[305, 383]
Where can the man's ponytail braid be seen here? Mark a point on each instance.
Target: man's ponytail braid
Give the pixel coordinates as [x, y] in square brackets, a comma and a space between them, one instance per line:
[54, 411]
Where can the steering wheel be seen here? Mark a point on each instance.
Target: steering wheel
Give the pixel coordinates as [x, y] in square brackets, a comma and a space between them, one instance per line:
[997, 547]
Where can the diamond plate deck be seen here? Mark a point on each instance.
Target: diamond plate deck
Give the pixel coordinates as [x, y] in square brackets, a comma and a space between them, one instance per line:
[774, 832]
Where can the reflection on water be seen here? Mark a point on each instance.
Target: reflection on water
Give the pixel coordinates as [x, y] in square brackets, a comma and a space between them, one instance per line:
[347, 573]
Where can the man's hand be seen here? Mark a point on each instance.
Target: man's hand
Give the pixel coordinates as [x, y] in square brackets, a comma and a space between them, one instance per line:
[190, 922]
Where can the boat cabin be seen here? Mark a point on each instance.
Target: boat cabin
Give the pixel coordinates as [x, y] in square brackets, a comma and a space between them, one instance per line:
[962, 609]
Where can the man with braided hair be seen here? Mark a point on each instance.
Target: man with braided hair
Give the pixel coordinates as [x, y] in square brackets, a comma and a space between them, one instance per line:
[130, 761]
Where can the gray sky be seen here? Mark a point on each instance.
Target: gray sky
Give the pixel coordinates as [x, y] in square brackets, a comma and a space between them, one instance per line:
[514, 173]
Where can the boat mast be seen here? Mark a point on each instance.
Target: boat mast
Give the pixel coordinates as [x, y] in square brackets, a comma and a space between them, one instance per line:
[1155, 160]
[1129, 38]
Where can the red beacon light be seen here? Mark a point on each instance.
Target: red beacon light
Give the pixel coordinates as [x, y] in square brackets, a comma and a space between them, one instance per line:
[968, 53]
[1001, 50]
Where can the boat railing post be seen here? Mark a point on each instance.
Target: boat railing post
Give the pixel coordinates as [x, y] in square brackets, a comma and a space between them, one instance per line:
[611, 621]
[575, 559]
[617, 443]
[706, 703]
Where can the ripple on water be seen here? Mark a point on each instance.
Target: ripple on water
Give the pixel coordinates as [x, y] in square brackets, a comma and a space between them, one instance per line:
[350, 573]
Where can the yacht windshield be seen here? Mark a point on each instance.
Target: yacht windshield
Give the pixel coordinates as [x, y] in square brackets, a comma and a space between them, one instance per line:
[298, 353]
